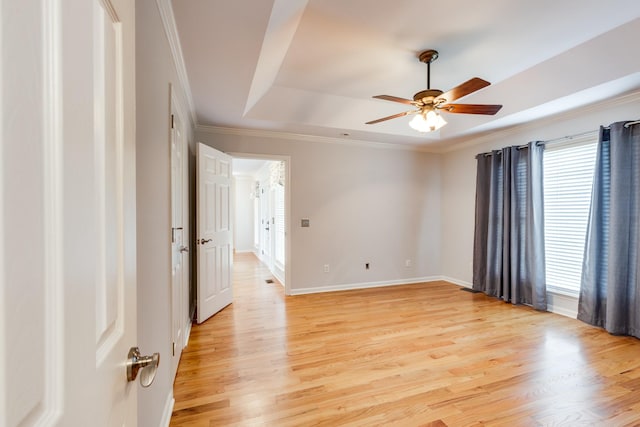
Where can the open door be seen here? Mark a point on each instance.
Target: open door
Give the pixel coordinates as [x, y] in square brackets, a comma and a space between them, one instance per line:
[67, 213]
[179, 229]
[214, 232]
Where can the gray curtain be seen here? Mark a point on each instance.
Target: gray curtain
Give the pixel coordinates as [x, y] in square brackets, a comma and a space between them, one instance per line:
[508, 253]
[610, 288]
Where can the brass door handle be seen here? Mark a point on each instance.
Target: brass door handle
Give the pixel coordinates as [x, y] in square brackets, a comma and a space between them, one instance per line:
[203, 241]
[148, 364]
[184, 249]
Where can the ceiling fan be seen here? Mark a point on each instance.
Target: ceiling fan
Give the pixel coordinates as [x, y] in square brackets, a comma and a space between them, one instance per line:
[429, 101]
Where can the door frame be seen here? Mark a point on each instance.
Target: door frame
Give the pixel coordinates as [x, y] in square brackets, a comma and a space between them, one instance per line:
[287, 207]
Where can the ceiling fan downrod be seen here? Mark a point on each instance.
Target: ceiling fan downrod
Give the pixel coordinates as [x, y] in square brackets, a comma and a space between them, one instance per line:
[428, 56]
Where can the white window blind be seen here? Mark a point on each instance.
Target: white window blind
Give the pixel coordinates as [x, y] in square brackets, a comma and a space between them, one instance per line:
[568, 178]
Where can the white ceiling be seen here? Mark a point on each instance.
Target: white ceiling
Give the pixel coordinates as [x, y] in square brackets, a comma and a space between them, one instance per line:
[311, 66]
[247, 167]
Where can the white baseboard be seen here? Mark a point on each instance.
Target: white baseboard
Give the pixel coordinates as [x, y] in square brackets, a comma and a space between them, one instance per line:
[462, 283]
[168, 410]
[557, 303]
[364, 285]
[564, 305]
[187, 332]
[278, 276]
[244, 251]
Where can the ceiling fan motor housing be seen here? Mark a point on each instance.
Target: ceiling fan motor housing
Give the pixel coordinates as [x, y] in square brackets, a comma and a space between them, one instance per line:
[427, 97]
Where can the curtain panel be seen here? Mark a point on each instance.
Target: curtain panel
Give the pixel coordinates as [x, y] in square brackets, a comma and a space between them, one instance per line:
[508, 255]
[610, 288]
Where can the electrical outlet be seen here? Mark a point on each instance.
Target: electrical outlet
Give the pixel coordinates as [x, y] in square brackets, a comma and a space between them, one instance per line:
[326, 268]
[407, 263]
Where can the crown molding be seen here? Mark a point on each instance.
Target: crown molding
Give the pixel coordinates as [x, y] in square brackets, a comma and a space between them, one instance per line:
[169, 24]
[516, 129]
[260, 133]
[456, 144]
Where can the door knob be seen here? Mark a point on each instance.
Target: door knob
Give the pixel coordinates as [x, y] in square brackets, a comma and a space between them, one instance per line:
[203, 241]
[148, 364]
[184, 249]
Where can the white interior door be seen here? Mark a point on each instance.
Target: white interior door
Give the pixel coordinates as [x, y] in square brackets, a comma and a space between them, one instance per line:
[215, 246]
[272, 226]
[279, 234]
[67, 212]
[178, 231]
[265, 222]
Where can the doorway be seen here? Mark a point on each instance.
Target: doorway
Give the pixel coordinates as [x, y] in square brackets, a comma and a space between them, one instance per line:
[261, 211]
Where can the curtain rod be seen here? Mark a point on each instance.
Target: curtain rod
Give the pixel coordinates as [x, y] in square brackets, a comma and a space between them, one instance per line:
[563, 138]
[578, 135]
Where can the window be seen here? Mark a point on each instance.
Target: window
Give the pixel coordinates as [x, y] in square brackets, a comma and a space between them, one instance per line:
[568, 177]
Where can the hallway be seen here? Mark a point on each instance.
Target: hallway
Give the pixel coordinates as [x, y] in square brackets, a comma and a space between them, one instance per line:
[235, 339]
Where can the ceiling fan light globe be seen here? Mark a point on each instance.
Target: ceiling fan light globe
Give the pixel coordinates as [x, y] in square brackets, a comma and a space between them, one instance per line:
[427, 122]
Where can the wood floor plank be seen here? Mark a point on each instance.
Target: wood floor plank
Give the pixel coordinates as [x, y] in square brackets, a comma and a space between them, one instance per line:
[421, 354]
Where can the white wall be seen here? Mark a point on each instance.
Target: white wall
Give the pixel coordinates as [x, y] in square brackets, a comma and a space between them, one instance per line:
[459, 175]
[365, 204]
[155, 72]
[243, 215]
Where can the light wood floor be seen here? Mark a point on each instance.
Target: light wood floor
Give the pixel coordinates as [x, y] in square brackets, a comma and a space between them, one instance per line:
[426, 354]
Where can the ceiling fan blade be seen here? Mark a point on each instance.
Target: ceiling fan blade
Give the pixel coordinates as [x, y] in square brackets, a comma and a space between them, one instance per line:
[395, 99]
[464, 89]
[471, 108]
[395, 116]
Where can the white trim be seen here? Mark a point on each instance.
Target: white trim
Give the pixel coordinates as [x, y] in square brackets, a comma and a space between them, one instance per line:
[364, 285]
[170, 29]
[470, 140]
[558, 303]
[3, 305]
[53, 402]
[245, 251]
[458, 282]
[564, 305]
[187, 334]
[259, 133]
[277, 275]
[168, 410]
[453, 144]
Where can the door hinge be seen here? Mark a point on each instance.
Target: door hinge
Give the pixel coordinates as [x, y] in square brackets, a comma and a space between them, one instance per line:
[172, 122]
[173, 233]
[174, 348]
